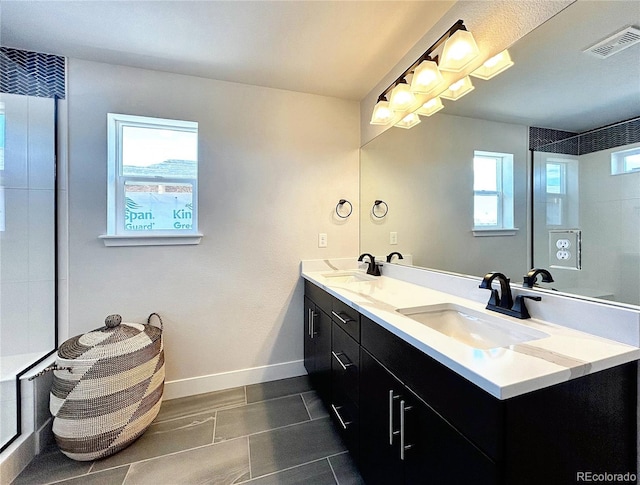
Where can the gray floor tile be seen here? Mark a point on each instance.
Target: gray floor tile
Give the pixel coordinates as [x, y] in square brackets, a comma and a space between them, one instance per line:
[294, 445]
[273, 389]
[314, 405]
[186, 406]
[345, 470]
[222, 463]
[164, 437]
[49, 466]
[115, 476]
[261, 416]
[316, 473]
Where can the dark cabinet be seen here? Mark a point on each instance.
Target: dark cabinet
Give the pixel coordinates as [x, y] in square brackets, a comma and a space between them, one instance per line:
[317, 348]
[405, 441]
[408, 419]
[345, 381]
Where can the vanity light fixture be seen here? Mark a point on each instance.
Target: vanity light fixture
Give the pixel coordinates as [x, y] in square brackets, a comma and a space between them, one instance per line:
[494, 66]
[408, 121]
[430, 107]
[458, 89]
[418, 89]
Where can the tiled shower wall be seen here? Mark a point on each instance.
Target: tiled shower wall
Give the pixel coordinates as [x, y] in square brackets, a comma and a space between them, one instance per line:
[607, 209]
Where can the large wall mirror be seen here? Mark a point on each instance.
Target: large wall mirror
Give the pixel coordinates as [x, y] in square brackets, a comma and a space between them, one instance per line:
[567, 205]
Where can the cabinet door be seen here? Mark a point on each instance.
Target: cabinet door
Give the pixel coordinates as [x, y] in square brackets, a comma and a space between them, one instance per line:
[435, 452]
[380, 395]
[309, 360]
[321, 330]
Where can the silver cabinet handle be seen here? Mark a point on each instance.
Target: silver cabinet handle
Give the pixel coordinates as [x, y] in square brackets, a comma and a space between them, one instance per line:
[340, 318]
[343, 423]
[309, 319]
[392, 397]
[312, 323]
[403, 446]
[342, 364]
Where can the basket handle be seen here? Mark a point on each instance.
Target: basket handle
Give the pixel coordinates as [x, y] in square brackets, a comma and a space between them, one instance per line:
[49, 369]
[159, 318]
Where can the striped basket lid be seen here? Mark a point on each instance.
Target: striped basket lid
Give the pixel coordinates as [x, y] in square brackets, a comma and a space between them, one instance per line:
[112, 340]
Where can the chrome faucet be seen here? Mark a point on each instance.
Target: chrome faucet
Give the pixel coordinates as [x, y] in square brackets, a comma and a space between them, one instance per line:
[373, 268]
[391, 255]
[503, 302]
[530, 278]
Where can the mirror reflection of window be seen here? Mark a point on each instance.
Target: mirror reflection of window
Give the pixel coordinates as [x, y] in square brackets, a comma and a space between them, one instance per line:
[556, 183]
[492, 190]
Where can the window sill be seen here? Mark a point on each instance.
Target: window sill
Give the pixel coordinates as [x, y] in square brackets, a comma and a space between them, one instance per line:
[495, 232]
[151, 240]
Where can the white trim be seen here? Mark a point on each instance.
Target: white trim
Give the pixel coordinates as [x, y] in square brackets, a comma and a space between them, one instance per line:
[236, 378]
[495, 232]
[150, 240]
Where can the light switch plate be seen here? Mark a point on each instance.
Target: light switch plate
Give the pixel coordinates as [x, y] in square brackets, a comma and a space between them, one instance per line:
[565, 249]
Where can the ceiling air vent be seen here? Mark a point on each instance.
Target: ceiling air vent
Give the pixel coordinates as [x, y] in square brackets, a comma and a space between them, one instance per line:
[615, 43]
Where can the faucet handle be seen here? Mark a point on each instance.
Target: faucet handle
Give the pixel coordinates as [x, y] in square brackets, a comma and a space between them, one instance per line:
[520, 309]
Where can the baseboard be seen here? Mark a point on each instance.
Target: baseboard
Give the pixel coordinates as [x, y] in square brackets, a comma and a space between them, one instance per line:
[237, 378]
[16, 457]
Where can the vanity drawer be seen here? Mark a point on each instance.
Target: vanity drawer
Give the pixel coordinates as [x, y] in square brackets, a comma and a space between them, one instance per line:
[345, 363]
[320, 297]
[346, 318]
[346, 416]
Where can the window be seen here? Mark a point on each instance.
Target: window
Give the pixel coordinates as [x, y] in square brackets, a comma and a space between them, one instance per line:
[152, 196]
[626, 161]
[493, 193]
[556, 188]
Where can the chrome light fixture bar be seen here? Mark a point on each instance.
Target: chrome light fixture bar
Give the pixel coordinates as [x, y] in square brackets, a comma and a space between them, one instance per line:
[417, 91]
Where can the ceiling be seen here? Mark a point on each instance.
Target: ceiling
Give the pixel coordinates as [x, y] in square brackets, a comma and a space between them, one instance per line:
[332, 48]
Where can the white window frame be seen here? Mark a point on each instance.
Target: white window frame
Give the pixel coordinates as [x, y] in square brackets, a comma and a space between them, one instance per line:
[620, 164]
[504, 192]
[117, 234]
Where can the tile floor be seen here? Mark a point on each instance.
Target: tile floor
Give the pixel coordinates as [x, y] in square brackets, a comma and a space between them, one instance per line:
[265, 434]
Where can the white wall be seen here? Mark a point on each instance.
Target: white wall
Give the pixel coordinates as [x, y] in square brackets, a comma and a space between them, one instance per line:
[273, 165]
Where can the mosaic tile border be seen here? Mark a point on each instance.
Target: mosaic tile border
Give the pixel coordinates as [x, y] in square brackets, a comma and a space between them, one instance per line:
[611, 136]
[31, 73]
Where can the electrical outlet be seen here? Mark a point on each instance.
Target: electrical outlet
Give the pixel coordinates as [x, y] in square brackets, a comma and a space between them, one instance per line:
[393, 238]
[322, 240]
[565, 249]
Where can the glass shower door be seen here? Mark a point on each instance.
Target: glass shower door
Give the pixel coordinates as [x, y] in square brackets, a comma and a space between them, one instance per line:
[27, 244]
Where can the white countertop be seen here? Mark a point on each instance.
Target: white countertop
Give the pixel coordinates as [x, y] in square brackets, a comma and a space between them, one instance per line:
[504, 372]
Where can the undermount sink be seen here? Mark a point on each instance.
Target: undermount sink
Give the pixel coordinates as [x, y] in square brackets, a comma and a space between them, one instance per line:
[352, 276]
[471, 327]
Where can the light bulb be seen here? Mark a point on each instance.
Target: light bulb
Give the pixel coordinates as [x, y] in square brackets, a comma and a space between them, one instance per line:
[430, 107]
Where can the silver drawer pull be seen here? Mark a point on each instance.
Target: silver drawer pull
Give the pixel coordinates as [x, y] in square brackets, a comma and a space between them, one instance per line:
[344, 322]
[343, 423]
[342, 364]
[403, 447]
[392, 397]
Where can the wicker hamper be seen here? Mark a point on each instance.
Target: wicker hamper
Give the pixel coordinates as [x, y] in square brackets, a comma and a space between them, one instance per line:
[107, 388]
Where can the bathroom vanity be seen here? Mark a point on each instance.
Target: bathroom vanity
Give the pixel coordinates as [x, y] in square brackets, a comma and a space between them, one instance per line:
[417, 406]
